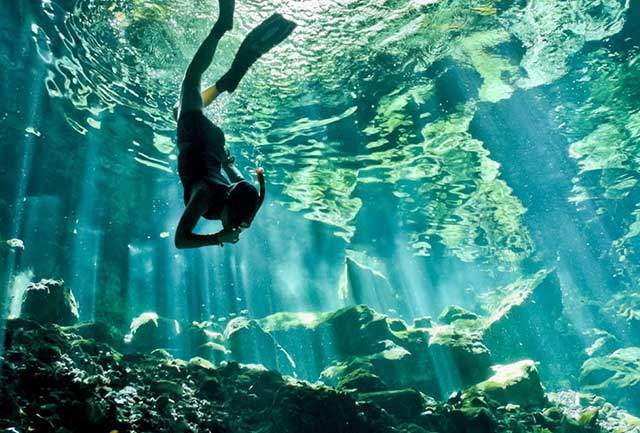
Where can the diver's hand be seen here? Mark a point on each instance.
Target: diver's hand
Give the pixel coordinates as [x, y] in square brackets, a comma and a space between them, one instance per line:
[229, 236]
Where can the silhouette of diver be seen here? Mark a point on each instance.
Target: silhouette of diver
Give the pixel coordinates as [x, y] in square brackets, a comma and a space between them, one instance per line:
[203, 156]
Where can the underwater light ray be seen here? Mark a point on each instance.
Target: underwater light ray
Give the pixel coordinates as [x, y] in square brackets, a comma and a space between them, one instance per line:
[205, 283]
[23, 174]
[85, 260]
[412, 285]
[86, 249]
[141, 291]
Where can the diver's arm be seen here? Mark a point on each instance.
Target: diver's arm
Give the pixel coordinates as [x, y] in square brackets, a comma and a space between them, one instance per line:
[233, 172]
[230, 169]
[197, 206]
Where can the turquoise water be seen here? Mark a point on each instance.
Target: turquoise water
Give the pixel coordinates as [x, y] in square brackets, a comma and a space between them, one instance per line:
[450, 146]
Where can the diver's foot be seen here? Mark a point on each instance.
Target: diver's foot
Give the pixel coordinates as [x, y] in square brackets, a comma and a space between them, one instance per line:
[259, 41]
[225, 19]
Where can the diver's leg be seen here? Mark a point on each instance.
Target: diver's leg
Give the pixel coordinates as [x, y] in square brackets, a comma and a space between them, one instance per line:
[191, 98]
[230, 81]
[259, 41]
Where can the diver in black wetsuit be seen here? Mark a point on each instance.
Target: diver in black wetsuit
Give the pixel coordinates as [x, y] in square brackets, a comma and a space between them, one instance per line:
[203, 156]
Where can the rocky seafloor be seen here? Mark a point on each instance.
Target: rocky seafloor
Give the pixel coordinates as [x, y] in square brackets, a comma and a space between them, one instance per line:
[516, 366]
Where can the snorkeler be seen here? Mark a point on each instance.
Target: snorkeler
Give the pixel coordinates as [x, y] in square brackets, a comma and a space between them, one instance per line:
[203, 156]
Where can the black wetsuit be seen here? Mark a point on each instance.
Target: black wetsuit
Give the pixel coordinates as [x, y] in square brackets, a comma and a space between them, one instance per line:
[201, 145]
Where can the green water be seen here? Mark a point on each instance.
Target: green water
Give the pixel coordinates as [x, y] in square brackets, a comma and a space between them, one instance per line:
[451, 147]
[466, 169]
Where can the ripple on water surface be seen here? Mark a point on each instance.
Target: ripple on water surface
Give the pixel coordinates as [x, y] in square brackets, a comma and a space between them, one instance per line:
[363, 96]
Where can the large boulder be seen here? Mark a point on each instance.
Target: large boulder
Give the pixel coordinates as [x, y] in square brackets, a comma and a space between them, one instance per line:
[402, 403]
[298, 335]
[361, 380]
[454, 313]
[149, 331]
[315, 340]
[203, 339]
[435, 361]
[334, 346]
[423, 322]
[250, 344]
[458, 356]
[98, 332]
[354, 331]
[615, 377]
[392, 367]
[526, 319]
[522, 308]
[49, 301]
[517, 383]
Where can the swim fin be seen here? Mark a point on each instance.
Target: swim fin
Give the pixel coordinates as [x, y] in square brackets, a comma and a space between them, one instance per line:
[267, 35]
[258, 42]
[225, 18]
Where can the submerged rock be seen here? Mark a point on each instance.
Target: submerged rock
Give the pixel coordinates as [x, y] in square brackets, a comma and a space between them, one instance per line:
[361, 380]
[354, 331]
[204, 340]
[333, 346]
[615, 376]
[49, 301]
[100, 332]
[460, 358]
[521, 309]
[358, 348]
[423, 322]
[517, 383]
[149, 332]
[315, 340]
[526, 319]
[581, 407]
[77, 389]
[392, 367]
[453, 313]
[603, 342]
[250, 344]
[403, 403]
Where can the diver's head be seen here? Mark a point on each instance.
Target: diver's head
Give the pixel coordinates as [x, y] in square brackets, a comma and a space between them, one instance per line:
[243, 202]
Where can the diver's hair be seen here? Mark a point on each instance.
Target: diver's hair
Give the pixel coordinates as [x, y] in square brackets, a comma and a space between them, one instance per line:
[243, 201]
